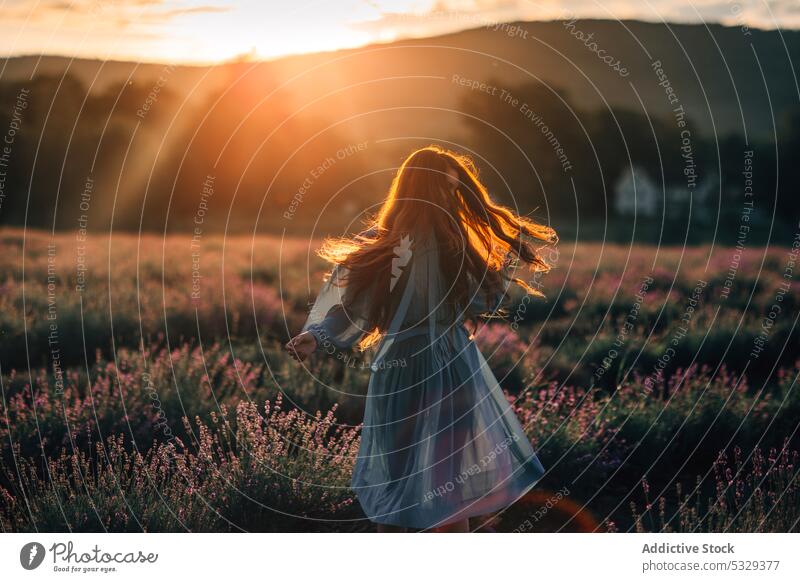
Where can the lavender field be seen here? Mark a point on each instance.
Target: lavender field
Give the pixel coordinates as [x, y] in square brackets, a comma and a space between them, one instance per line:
[144, 388]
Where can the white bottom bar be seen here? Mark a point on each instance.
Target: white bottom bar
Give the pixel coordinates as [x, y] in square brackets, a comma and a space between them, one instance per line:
[402, 557]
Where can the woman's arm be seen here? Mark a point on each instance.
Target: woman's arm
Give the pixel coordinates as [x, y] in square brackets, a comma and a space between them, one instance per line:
[339, 329]
[331, 325]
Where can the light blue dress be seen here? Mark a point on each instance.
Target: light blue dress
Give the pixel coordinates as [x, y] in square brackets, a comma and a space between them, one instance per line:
[440, 442]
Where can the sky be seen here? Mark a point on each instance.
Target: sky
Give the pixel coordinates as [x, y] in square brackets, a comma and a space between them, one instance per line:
[211, 31]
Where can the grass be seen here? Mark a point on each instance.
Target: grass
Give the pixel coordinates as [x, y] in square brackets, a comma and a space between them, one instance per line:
[169, 412]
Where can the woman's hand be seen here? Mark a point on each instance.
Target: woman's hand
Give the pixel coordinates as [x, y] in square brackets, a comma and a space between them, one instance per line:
[301, 346]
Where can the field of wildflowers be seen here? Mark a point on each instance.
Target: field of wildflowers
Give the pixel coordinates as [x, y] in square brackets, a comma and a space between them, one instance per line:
[144, 388]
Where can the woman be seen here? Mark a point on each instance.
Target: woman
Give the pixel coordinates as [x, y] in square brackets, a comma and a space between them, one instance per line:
[440, 442]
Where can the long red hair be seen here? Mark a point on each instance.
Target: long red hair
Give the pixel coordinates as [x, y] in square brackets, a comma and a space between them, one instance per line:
[465, 221]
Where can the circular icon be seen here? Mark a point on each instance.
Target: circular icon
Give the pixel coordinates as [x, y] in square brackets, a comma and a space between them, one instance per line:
[31, 555]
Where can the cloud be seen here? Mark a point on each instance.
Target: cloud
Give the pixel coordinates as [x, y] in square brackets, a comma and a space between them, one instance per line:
[449, 15]
[122, 13]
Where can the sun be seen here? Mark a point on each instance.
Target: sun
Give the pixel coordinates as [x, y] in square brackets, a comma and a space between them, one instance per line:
[264, 30]
[197, 31]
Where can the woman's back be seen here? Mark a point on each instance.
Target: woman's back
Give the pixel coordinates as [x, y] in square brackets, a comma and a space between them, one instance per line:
[439, 441]
[421, 300]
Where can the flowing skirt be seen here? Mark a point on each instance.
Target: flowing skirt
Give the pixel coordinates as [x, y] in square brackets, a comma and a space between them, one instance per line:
[440, 441]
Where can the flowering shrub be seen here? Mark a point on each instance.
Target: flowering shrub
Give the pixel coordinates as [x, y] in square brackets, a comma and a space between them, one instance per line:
[509, 356]
[261, 470]
[751, 495]
[157, 428]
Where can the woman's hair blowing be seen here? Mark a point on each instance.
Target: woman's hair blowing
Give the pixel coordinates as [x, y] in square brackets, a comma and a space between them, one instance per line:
[464, 221]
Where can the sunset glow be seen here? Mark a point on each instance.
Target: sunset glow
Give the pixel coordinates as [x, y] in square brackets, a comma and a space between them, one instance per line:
[210, 31]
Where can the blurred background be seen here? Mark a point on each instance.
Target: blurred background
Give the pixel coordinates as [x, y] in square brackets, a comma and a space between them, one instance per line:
[147, 134]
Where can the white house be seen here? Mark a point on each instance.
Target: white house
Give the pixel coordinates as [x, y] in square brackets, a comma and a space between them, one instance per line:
[636, 193]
